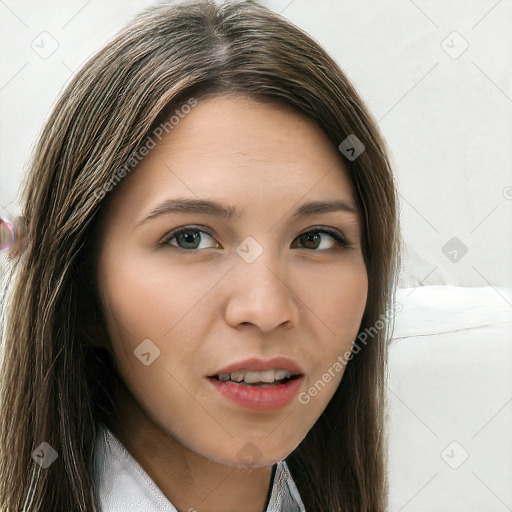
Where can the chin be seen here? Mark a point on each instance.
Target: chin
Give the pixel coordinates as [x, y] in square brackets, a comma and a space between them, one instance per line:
[250, 457]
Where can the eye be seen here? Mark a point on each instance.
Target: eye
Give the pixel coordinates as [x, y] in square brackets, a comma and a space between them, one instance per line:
[311, 238]
[188, 238]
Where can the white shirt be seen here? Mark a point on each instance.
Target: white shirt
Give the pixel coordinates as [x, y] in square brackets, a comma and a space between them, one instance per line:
[122, 485]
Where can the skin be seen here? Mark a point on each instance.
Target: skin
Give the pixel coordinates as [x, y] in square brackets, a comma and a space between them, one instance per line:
[207, 307]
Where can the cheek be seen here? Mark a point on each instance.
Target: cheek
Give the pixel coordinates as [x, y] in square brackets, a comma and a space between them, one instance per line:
[153, 300]
[338, 299]
[145, 295]
[338, 304]
[348, 302]
[138, 312]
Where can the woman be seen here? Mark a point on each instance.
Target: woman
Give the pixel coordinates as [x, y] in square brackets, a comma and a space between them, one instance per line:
[142, 368]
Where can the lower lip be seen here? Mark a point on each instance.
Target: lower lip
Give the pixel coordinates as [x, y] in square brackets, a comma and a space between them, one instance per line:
[261, 398]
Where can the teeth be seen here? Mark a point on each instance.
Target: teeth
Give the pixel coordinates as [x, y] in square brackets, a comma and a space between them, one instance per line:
[252, 377]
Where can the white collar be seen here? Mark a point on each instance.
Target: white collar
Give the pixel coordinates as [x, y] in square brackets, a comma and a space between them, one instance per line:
[122, 485]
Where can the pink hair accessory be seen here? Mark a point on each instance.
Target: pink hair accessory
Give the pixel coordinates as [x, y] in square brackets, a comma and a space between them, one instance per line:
[12, 235]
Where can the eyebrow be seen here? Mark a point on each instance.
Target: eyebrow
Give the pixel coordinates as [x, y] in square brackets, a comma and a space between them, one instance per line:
[208, 207]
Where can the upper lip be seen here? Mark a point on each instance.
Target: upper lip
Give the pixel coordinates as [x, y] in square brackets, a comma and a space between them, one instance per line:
[257, 364]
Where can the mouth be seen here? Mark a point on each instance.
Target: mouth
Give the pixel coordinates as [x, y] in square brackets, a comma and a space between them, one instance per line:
[259, 371]
[263, 379]
[258, 395]
[259, 384]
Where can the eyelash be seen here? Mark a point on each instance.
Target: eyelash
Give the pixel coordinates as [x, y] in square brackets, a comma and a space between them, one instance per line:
[340, 239]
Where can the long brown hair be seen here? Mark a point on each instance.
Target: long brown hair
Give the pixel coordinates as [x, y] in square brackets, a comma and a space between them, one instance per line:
[54, 385]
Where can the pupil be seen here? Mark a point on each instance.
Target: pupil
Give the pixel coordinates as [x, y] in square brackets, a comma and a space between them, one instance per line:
[190, 237]
[308, 237]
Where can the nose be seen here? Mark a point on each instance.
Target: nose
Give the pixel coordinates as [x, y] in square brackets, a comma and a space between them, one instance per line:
[260, 295]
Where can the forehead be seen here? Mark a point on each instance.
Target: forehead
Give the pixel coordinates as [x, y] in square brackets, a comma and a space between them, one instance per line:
[241, 151]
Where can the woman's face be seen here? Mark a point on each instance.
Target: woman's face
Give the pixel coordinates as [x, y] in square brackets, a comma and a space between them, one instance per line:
[268, 281]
